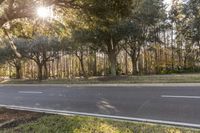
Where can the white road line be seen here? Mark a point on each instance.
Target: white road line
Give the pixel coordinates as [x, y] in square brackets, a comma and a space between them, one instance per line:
[62, 112]
[187, 97]
[30, 92]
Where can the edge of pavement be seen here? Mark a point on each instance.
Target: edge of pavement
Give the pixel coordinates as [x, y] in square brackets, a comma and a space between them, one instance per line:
[110, 85]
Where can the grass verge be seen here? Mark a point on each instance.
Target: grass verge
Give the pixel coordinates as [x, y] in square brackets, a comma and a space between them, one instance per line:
[181, 78]
[70, 124]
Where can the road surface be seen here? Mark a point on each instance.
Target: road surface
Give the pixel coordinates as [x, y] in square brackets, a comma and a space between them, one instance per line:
[178, 104]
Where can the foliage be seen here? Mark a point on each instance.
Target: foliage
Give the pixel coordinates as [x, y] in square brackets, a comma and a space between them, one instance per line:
[41, 49]
[130, 36]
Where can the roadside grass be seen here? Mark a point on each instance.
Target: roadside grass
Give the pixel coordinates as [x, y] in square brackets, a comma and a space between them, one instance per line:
[76, 124]
[12, 118]
[174, 78]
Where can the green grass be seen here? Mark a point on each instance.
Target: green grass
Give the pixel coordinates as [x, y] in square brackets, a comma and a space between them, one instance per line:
[181, 78]
[66, 124]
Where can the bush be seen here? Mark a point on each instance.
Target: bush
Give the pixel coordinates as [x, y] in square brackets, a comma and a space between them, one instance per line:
[179, 70]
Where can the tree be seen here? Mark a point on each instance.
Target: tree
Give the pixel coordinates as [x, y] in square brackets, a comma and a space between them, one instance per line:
[18, 9]
[41, 49]
[103, 18]
[140, 29]
[8, 56]
[133, 41]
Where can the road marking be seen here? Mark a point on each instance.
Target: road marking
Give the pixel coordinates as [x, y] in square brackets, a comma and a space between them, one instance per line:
[188, 97]
[30, 92]
[62, 112]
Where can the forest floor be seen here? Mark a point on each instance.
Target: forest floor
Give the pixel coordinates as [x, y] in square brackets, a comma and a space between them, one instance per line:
[13, 121]
[172, 78]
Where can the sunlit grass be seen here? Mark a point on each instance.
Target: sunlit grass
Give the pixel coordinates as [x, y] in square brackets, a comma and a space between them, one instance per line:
[61, 124]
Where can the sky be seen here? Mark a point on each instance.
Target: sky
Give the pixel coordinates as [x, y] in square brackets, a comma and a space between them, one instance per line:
[169, 3]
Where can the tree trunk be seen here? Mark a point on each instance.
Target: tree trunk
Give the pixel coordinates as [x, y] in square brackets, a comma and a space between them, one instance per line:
[172, 49]
[53, 69]
[18, 68]
[95, 64]
[80, 57]
[57, 68]
[135, 53]
[83, 68]
[156, 61]
[185, 62]
[134, 65]
[172, 58]
[18, 72]
[40, 76]
[113, 61]
[126, 63]
[45, 71]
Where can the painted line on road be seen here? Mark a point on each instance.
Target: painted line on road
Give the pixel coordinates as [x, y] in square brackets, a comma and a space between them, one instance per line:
[30, 92]
[187, 97]
[62, 112]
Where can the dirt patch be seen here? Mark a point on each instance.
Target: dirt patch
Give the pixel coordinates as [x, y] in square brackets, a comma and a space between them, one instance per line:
[12, 118]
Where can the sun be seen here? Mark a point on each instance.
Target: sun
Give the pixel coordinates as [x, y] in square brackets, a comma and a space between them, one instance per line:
[168, 2]
[44, 12]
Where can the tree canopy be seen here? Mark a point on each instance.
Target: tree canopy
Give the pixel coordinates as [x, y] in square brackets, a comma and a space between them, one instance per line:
[104, 36]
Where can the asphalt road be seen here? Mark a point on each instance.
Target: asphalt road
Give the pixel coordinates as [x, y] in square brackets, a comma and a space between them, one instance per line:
[175, 104]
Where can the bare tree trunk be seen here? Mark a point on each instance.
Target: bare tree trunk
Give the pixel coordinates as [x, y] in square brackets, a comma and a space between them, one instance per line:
[57, 67]
[104, 65]
[172, 58]
[45, 71]
[32, 69]
[113, 61]
[126, 62]
[134, 65]
[156, 61]
[83, 68]
[95, 64]
[135, 53]
[49, 68]
[40, 76]
[112, 56]
[18, 71]
[185, 62]
[145, 61]
[10, 71]
[80, 57]
[172, 48]
[53, 68]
